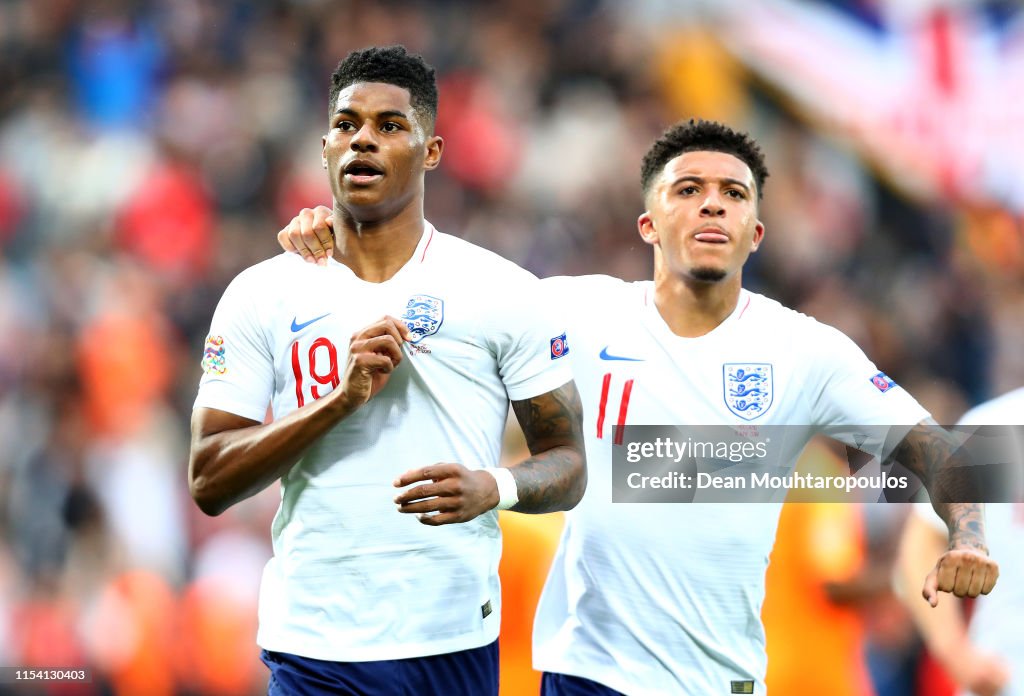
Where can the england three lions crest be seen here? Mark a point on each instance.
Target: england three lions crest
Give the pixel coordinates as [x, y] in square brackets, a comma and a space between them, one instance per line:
[424, 315]
[748, 388]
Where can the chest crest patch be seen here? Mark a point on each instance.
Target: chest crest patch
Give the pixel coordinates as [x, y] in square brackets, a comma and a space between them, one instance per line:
[424, 315]
[747, 388]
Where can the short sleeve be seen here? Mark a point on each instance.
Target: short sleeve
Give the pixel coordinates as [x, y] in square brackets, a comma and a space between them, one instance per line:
[532, 344]
[855, 402]
[238, 369]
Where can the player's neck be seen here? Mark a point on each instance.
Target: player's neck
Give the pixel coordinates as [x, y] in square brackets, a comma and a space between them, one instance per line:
[376, 250]
[691, 308]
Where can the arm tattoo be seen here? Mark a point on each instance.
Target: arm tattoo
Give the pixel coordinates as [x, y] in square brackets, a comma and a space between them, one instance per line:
[934, 456]
[555, 476]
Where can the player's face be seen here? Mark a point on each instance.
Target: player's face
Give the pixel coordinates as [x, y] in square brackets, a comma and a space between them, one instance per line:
[702, 216]
[376, 151]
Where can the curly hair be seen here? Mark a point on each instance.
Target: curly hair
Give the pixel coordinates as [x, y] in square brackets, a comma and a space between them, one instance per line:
[699, 135]
[392, 65]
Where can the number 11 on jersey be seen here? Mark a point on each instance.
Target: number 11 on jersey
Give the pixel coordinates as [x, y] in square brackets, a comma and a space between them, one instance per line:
[627, 389]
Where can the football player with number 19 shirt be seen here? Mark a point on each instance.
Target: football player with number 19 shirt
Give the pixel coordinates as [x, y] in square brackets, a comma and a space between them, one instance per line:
[390, 366]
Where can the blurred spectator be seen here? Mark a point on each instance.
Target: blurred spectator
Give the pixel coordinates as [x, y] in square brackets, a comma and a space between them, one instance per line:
[114, 61]
[167, 224]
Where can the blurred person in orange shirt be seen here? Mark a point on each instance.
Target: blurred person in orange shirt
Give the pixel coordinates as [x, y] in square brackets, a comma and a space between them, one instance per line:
[815, 643]
[528, 546]
[530, 542]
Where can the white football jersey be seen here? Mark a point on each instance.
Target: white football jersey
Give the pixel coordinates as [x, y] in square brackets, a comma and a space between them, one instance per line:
[352, 579]
[666, 598]
[995, 623]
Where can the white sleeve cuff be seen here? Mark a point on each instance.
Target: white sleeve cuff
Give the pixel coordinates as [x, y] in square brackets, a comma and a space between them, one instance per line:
[508, 492]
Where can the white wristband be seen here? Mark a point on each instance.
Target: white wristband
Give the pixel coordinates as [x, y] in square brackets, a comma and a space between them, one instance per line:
[508, 492]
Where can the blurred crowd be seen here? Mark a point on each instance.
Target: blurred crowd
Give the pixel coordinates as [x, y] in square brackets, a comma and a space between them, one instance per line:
[149, 151]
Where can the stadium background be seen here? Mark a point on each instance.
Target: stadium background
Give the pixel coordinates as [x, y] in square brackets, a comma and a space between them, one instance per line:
[150, 150]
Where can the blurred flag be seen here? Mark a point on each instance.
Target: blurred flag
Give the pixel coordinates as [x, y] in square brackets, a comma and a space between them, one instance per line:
[933, 94]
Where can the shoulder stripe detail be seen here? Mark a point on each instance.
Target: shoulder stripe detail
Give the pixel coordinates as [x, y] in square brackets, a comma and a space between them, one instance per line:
[744, 309]
[427, 245]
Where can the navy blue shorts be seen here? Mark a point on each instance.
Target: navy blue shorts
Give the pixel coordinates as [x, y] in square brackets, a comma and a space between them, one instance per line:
[567, 685]
[464, 673]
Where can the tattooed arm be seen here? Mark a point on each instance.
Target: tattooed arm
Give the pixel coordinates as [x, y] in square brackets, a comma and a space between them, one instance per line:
[552, 478]
[934, 456]
[555, 476]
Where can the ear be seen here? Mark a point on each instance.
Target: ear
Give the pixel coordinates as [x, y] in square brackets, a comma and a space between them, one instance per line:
[323, 150]
[758, 236]
[648, 232]
[435, 146]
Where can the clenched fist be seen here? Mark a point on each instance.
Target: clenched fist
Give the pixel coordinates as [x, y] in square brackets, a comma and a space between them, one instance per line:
[966, 572]
[373, 354]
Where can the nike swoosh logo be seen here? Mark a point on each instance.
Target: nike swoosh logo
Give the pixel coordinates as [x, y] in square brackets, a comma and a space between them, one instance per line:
[605, 355]
[296, 327]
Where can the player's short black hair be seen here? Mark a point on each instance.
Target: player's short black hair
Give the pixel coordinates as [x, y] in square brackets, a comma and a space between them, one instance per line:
[699, 135]
[392, 65]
